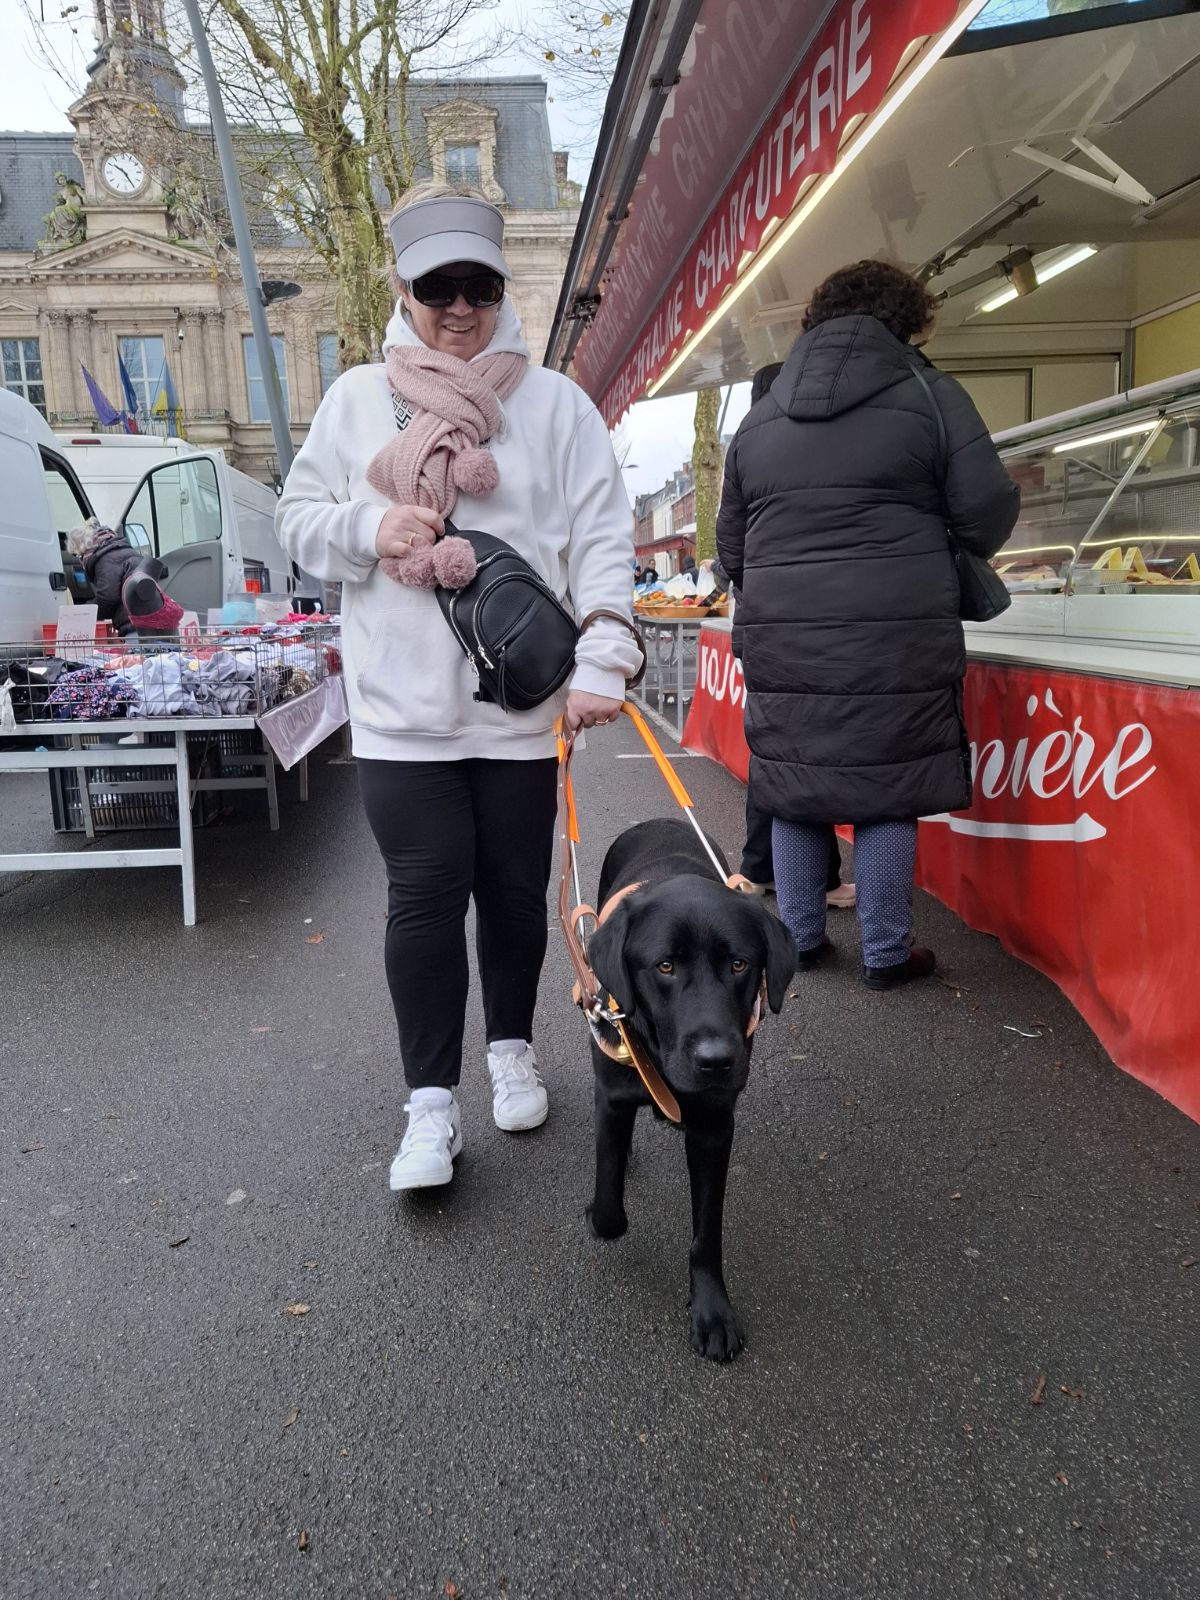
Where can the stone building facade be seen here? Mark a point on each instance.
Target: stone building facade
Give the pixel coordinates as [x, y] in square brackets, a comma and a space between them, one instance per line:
[100, 256]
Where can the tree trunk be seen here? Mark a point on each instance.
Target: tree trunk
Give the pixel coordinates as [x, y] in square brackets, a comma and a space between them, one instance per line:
[364, 301]
[706, 472]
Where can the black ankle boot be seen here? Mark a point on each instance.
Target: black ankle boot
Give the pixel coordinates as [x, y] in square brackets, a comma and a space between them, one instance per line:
[920, 964]
[816, 957]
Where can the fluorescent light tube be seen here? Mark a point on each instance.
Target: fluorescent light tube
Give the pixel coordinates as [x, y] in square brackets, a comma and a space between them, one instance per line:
[1103, 438]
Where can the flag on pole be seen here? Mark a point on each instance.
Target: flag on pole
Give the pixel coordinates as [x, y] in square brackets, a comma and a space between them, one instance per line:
[166, 403]
[131, 399]
[106, 412]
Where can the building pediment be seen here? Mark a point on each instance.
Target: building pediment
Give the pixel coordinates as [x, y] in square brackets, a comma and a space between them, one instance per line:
[21, 308]
[124, 253]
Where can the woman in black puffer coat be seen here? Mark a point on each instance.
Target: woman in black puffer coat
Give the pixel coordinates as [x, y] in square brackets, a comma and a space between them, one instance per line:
[833, 524]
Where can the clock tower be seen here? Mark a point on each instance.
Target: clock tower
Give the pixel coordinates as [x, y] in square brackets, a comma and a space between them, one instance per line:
[127, 118]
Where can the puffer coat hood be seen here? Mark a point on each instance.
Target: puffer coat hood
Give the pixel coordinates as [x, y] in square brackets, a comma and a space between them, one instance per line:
[840, 365]
[834, 524]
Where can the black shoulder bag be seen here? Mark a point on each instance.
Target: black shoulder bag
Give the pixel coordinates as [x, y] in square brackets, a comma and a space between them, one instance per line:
[982, 595]
[519, 640]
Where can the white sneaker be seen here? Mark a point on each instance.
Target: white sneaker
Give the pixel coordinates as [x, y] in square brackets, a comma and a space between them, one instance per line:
[518, 1093]
[431, 1141]
[843, 898]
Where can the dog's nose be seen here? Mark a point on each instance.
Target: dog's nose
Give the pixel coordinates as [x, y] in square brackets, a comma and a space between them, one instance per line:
[713, 1055]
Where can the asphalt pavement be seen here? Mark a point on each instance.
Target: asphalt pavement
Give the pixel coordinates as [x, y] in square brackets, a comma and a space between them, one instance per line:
[235, 1365]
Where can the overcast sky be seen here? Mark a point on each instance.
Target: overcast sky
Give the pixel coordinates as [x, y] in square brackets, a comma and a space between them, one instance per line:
[657, 435]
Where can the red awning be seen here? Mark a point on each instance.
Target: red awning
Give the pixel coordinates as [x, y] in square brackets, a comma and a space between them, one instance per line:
[667, 276]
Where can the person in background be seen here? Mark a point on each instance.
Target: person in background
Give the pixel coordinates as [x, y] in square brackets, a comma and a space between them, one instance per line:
[853, 648]
[757, 862]
[688, 564]
[107, 559]
[650, 574]
[461, 796]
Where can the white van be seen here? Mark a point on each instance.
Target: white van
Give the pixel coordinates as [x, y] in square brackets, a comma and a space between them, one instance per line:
[42, 500]
[213, 525]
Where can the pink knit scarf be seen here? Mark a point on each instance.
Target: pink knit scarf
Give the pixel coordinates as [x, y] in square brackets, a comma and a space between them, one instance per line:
[455, 406]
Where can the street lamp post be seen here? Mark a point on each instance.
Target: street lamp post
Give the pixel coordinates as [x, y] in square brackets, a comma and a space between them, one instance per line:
[256, 301]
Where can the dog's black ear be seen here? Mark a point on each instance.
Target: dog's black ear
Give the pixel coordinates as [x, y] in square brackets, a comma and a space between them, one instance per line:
[606, 952]
[779, 958]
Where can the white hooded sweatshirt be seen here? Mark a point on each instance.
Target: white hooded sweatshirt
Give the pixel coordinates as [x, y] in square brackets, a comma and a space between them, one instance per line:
[560, 502]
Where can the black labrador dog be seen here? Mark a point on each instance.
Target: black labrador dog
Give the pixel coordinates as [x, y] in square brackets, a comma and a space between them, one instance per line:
[685, 958]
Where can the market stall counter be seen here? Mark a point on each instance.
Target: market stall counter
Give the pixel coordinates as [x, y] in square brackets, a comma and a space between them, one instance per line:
[1082, 702]
[134, 734]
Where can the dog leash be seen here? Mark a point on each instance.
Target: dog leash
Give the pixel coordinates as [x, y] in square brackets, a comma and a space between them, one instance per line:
[603, 1014]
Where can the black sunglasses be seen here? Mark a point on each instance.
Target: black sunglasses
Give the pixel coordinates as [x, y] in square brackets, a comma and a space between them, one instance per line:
[441, 289]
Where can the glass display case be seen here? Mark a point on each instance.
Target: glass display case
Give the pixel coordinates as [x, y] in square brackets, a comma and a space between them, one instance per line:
[1107, 546]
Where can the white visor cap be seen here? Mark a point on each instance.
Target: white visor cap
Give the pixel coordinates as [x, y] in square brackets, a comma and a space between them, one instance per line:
[435, 233]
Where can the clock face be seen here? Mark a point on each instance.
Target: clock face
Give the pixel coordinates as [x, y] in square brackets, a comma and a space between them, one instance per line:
[124, 174]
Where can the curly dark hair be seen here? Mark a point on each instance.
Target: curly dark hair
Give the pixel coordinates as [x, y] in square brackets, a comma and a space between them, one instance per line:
[873, 289]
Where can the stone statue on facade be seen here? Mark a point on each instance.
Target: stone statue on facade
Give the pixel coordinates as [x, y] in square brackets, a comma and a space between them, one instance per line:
[185, 208]
[66, 224]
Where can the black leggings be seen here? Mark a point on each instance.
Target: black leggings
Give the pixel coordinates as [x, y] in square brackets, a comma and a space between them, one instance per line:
[448, 830]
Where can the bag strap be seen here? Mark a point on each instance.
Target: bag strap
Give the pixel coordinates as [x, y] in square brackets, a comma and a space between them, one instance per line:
[943, 444]
[631, 627]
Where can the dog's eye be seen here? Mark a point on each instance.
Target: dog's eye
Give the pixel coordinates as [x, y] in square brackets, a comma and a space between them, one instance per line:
[666, 968]
[739, 966]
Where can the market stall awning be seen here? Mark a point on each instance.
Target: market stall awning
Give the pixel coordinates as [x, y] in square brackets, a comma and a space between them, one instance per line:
[893, 132]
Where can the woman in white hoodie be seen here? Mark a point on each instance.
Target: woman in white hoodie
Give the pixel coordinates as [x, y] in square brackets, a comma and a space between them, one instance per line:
[460, 794]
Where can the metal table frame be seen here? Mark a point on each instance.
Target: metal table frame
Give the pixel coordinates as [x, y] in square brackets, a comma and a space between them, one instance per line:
[673, 677]
[108, 756]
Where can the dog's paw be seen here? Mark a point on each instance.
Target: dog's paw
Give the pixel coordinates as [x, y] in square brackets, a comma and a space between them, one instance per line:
[606, 1224]
[716, 1333]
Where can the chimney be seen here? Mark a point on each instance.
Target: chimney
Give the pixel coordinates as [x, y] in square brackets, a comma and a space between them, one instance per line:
[560, 167]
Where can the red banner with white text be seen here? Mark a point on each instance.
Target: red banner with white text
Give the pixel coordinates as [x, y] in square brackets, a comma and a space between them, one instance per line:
[715, 721]
[1080, 853]
[645, 316]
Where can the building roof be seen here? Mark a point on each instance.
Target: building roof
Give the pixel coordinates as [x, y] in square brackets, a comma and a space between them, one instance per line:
[524, 154]
[524, 161]
[28, 162]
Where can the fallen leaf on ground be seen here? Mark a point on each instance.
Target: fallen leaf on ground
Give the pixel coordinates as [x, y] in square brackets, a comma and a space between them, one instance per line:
[302, 1541]
[957, 1195]
[1076, 1394]
[792, 1524]
[968, 1427]
[292, 1417]
[299, 1309]
[644, 1437]
[28, 1149]
[822, 1155]
[451, 1589]
[1188, 1261]
[1062, 1478]
[311, 1266]
[314, 938]
[175, 1243]
[1035, 1399]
